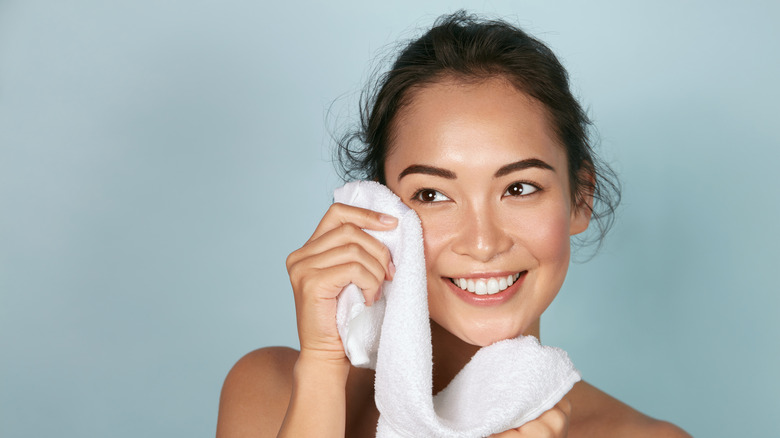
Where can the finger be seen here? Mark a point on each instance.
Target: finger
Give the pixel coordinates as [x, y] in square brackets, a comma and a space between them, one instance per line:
[512, 433]
[552, 423]
[339, 214]
[342, 255]
[346, 234]
[327, 283]
[565, 406]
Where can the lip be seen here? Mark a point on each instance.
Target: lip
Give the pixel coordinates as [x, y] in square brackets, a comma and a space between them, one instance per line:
[486, 300]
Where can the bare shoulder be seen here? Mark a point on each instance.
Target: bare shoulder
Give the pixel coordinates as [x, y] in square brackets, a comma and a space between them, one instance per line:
[597, 414]
[256, 393]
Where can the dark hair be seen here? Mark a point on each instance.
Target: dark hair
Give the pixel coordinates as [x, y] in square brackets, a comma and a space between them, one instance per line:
[465, 47]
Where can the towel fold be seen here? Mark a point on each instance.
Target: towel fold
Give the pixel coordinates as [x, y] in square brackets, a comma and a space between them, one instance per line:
[505, 384]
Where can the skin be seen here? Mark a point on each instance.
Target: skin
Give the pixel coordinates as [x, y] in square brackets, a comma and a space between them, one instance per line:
[455, 162]
[476, 226]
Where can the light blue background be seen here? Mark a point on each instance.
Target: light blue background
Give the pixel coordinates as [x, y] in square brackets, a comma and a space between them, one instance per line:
[159, 160]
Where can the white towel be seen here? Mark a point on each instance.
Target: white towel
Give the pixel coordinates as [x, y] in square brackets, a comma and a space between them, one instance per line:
[505, 384]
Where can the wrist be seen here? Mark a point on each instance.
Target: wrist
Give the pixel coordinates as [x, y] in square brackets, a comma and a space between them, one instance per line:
[321, 367]
[318, 399]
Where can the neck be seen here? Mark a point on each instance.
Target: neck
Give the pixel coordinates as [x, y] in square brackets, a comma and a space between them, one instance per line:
[451, 354]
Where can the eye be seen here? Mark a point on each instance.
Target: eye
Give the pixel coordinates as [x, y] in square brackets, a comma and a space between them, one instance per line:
[520, 189]
[429, 196]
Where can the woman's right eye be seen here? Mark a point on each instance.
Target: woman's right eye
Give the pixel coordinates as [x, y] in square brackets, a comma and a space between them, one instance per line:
[429, 196]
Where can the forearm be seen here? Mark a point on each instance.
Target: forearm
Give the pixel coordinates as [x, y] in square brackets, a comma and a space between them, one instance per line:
[318, 401]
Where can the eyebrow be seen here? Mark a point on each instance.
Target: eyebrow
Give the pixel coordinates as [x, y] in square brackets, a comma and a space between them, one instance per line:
[522, 165]
[504, 170]
[427, 170]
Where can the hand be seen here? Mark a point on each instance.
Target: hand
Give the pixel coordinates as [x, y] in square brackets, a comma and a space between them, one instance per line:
[551, 424]
[338, 253]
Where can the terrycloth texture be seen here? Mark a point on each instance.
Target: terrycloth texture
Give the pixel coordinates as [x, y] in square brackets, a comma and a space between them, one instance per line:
[503, 386]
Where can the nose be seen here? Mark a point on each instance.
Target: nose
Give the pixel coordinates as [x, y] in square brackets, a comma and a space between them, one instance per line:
[480, 234]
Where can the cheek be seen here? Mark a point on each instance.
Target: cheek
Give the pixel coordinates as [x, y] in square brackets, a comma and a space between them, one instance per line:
[436, 235]
[546, 235]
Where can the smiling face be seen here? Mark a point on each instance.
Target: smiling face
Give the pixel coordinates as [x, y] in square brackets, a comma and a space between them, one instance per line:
[480, 165]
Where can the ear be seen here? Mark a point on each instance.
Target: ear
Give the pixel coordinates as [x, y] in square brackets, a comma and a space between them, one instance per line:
[583, 209]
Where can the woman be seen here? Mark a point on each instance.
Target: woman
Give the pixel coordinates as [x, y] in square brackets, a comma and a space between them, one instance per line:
[474, 128]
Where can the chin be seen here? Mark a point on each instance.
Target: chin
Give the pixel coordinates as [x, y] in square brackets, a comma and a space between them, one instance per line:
[485, 339]
[482, 335]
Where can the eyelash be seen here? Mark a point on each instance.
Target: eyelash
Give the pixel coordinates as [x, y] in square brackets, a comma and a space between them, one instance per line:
[534, 188]
[416, 196]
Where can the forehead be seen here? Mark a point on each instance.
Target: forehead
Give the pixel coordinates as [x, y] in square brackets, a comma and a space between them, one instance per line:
[487, 122]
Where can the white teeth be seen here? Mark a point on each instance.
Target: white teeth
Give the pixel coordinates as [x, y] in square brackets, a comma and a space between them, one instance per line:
[486, 286]
[492, 286]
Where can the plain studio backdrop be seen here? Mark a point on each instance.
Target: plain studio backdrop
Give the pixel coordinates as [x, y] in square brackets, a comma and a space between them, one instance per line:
[160, 159]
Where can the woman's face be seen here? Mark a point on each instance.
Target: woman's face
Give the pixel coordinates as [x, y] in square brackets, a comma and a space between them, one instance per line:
[484, 172]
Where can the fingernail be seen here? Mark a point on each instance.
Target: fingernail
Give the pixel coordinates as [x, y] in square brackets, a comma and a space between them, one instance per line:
[391, 268]
[387, 219]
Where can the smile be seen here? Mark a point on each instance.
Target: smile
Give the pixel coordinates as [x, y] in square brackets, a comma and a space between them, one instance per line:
[485, 286]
